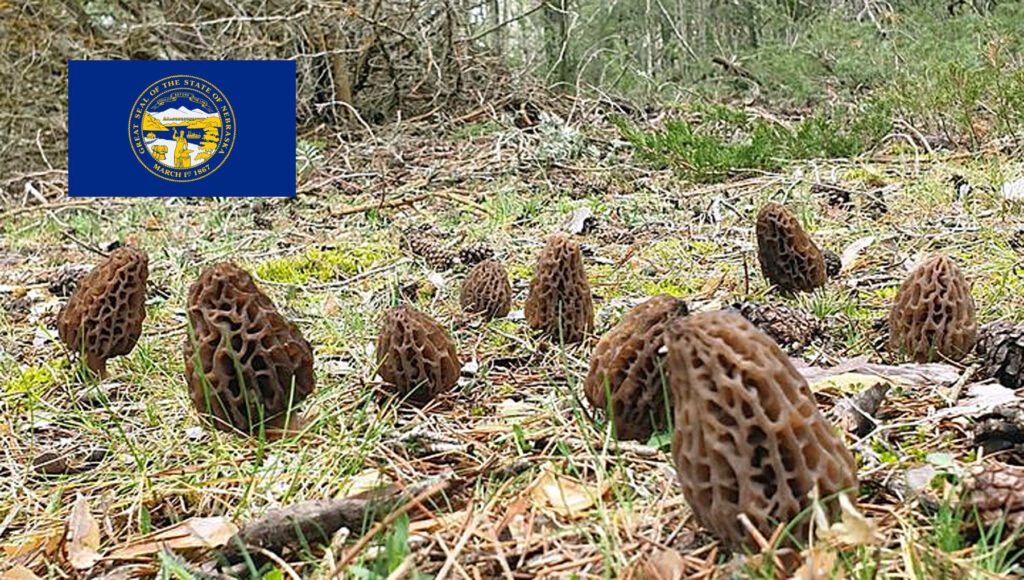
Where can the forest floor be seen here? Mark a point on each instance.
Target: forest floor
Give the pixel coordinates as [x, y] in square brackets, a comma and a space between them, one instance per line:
[523, 478]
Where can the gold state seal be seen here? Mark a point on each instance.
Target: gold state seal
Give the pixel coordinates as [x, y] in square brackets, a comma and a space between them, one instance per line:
[182, 128]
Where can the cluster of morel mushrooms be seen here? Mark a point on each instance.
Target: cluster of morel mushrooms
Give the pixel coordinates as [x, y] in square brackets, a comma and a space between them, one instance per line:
[748, 438]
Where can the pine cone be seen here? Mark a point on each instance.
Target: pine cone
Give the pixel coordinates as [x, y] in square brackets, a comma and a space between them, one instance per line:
[791, 328]
[1001, 346]
[996, 491]
[421, 243]
[833, 263]
[473, 254]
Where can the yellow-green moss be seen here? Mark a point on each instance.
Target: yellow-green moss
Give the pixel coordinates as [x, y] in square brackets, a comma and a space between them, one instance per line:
[34, 380]
[666, 286]
[321, 265]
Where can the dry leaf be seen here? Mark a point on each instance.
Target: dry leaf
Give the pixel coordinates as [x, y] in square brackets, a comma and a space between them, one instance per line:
[362, 482]
[83, 538]
[853, 251]
[18, 573]
[47, 541]
[189, 534]
[818, 566]
[563, 495]
[1013, 190]
[980, 398]
[847, 383]
[853, 529]
[661, 565]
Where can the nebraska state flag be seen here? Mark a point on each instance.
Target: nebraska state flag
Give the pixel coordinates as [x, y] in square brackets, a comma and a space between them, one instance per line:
[181, 128]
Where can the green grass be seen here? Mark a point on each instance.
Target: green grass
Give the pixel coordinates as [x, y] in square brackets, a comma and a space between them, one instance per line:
[721, 142]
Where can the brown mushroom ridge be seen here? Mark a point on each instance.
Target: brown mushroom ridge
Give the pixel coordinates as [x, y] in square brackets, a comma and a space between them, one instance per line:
[486, 290]
[628, 364]
[789, 258]
[749, 438]
[559, 303]
[103, 317]
[415, 354]
[246, 365]
[933, 315]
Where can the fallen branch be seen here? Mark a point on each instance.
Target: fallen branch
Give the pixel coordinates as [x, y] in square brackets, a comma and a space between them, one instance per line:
[316, 521]
[381, 204]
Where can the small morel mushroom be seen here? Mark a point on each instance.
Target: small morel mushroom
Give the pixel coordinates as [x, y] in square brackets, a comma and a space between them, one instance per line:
[628, 366]
[789, 258]
[486, 290]
[559, 303]
[933, 315]
[749, 438]
[103, 317]
[1001, 346]
[416, 355]
[247, 366]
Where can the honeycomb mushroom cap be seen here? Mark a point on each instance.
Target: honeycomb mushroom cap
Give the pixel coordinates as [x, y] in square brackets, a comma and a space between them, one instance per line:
[416, 355]
[103, 317]
[487, 290]
[246, 365]
[559, 303]
[628, 365]
[933, 314]
[789, 258]
[749, 438]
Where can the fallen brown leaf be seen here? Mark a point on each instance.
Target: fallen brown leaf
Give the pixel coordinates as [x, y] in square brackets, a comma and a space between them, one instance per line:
[18, 573]
[818, 566]
[661, 565]
[563, 495]
[83, 537]
[190, 534]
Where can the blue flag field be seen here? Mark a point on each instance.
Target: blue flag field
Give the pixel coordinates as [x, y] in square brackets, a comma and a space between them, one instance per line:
[181, 128]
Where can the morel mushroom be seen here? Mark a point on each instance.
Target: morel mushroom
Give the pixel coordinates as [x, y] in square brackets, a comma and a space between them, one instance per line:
[559, 303]
[749, 438]
[247, 366]
[628, 367]
[789, 258]
[103, 318]
[416, 355]
[486, 290]
[933, 315]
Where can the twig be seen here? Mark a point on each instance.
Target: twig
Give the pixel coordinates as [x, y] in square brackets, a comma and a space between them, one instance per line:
[381, 204]
[53, 206]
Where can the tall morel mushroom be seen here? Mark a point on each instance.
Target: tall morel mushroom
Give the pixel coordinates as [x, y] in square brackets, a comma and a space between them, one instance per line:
[933, 315]
[628, 367]
[749, 438]
[789, 258]
[559, 302]
[416, 355]
[103, 317]
[247, 366]
[486, 290]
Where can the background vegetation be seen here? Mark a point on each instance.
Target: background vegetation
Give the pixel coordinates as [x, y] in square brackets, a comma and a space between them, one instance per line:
[670, 121]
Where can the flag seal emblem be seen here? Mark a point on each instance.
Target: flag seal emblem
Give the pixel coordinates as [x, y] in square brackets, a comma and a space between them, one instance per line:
[182, 128]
